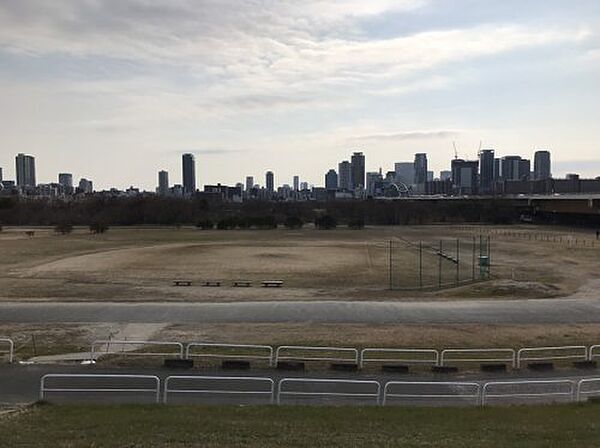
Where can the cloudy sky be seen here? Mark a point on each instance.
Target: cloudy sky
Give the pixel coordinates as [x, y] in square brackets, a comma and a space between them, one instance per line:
[115, 90]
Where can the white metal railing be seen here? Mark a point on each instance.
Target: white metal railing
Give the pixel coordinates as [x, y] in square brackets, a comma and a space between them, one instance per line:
[344, 354]
[572, 352]
[457, 391]
[457, 355]
[124, 351]
[587, 392]
[240, 351]
[321, 393]
[411, 356]
[592, 352]
[11, 348]
[100, 378]
[531, 389]
[207, 390]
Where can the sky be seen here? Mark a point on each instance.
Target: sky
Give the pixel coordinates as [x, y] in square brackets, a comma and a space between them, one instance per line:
[116, 90]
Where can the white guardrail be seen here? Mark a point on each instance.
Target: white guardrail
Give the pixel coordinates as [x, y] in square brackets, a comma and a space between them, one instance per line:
[501, 355]
[592, 352]
[11, 348]
[583, 391]
[339, 389]
[399, 355]
[450, 390]
[569, 352]
[528, 389]
[206, 387]
[96, 388]
[231, 351]
[344, 354]
[127, 348]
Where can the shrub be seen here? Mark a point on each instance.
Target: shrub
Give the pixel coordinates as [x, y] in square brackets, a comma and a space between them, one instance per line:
[325, 222]
[98, 227]
[63, 228]
[293, 222]
[205, 224]
[357, 224]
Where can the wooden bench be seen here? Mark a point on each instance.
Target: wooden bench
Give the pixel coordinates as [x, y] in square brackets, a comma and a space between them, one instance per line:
[182, 283]
[210, 283]
[242, 283]
[272, 283]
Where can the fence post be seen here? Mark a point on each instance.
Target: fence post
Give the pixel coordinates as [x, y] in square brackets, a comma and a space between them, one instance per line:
[421, 264]
[440, 264]
[391, 283]
[457, 261]
[474, 257]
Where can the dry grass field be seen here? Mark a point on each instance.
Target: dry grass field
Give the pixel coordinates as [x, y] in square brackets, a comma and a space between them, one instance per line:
[129, 264]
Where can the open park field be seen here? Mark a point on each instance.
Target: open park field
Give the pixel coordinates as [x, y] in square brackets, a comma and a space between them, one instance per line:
[139, 264]
[215, 427]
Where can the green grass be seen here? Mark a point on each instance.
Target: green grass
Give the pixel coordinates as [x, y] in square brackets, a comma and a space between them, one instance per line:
[179, 426]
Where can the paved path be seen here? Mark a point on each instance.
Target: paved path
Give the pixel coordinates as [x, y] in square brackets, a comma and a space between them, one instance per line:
[539, 311]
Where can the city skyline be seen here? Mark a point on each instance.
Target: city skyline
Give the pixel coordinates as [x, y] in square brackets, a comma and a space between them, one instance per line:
[85, 86]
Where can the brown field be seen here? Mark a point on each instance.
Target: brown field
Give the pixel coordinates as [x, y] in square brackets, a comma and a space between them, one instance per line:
[131, 264]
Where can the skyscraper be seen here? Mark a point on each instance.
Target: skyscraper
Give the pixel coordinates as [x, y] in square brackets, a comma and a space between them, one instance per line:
[163, 183]
[331, 180]
[420, 168]
[542, 168]
[510, 167]
[405, 172]
[486, 167]
[86, 186]
[296, 183]
[464, 176]
[270, 181]
[345, 175]
[66, 180]
[189, 174]
[0, 174]
[249, 183]
[25, 170]
[358, 170]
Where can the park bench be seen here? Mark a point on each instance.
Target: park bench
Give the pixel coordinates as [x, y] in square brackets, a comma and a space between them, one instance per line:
[210, 283]
[272, 283]
[242, 283]
[182, 282]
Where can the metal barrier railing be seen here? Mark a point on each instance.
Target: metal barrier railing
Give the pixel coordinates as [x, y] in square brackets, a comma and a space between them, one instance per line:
[96, 388]
[454, 386]
[351, 354]
[569, 352]
[584, 382]
[506, 355]
[592, 352]
[528, 393]
[240, 351]
[11, 348]
[95, 353]
[374, 395]
[269, 382]
[413, 356]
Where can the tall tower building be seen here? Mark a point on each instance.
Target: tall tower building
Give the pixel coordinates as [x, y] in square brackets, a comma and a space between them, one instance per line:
[542, 168]
[189, 174]
[296, 183]
[420, 168]
[486, 168]
[0, 174]
[66, 180]
[163, 183]
[345, 176]
[249, 183]
[510, 167]
[25, 170]
[270, 181]
[358, 170]
[331, 180]
[405, 172]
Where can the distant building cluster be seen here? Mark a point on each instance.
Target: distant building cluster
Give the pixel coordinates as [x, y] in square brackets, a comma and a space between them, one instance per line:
[489, 175]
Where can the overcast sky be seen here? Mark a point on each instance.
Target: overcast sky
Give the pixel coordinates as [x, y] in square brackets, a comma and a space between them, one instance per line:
[116, 90]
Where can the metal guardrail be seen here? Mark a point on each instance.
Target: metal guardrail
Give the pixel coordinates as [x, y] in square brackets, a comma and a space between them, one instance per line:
[353, 352]
[94, 353]
[433, 355]
[474, 395]
[582, 383]
[155, 390]
[592, 353]
[268, 356]
[270, 392]
[510, 356]
[281, 392]
[11, 348]
[486, 395]
[552, 353]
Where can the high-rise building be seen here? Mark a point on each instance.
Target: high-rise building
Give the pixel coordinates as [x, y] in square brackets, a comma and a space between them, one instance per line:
[65, 180]
[163, 183]
[374, 178]
[296, 183]
[189, 174]
[524, 169]
[270, 181]
[405, 172]
[429, 176]
[358, 170]
[25, 170]
[510, 167]
[445, 175]
[86, 186]
[345, 176]
[464, 176]
[420, 168]
[486, 167]
[249, 183]
[1, 174]
[304, 186]
[331, 180]
[542, 168]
